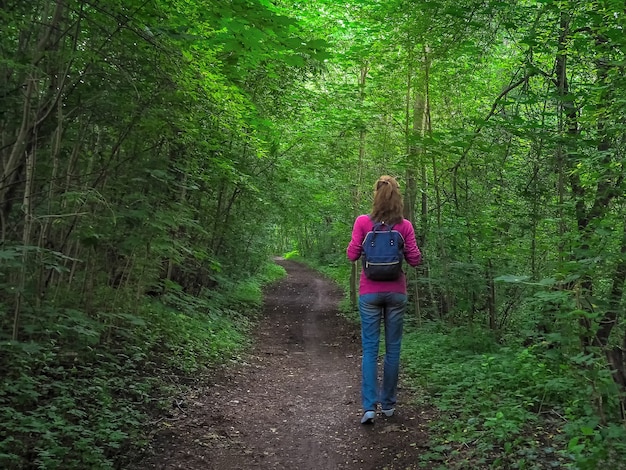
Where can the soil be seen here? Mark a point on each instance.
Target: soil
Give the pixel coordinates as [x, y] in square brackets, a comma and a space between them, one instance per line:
[293, 402]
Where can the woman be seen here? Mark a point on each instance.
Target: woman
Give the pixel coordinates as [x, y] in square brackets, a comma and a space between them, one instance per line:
[382, 300]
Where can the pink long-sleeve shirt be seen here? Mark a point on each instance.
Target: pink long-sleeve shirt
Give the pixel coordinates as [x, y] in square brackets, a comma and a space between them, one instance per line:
[412, 255]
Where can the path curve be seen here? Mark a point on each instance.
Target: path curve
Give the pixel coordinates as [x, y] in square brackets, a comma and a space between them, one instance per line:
[294, 401]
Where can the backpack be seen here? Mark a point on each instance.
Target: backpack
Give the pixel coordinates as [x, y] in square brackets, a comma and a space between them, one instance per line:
[383, 252]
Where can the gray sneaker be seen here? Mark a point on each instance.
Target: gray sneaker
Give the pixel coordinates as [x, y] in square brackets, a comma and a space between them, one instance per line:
[368, 417]
[388, 413]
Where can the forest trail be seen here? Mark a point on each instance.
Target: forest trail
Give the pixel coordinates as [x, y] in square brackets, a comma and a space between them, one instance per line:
[294, 401]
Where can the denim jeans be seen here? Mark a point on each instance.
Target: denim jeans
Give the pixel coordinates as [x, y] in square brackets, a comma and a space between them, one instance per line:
[374, 308]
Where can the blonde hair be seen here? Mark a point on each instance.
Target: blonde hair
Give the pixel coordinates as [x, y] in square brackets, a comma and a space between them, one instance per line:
[388, 205]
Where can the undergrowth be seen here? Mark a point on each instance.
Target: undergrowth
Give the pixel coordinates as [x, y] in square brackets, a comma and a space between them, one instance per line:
[79, 392]
[511, 407]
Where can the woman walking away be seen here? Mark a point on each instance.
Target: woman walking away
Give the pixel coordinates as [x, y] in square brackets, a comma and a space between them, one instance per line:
[383, 239]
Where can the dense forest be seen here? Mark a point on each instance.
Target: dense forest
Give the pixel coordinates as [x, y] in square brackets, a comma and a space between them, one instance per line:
[155, 156]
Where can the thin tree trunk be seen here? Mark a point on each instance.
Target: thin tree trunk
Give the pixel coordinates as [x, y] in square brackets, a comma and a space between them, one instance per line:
[354, 271]
[28, 218]
[491, 296]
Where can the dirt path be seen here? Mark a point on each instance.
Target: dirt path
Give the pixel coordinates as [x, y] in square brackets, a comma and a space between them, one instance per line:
[295, 402]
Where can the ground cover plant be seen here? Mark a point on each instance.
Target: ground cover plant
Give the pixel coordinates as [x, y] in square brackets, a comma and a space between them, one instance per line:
[75, 398]
[512, 406]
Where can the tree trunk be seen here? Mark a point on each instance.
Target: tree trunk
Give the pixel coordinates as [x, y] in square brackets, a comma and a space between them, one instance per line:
[491, 296]
[26, 232]
[354, 272]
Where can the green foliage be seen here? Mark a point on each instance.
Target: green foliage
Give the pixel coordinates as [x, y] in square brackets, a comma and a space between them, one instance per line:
[512, 405]
[193, 333]
[70, 409]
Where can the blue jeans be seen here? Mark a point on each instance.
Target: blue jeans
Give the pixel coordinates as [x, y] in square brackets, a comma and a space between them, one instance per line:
[374, 308]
